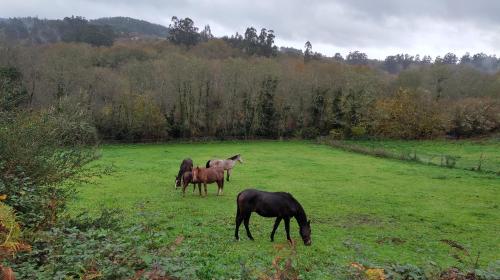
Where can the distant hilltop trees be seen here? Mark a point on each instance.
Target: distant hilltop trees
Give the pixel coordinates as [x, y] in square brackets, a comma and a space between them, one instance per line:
[184, 32]
[98, 32]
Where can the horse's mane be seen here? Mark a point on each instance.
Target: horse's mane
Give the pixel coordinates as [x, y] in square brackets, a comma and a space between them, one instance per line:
[234, 157]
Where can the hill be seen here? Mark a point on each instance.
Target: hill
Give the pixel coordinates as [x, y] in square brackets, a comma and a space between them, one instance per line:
[97, 32]
[126, 26]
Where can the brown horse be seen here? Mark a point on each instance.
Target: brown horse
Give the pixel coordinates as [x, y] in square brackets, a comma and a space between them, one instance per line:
[187, 178]
[208, 176]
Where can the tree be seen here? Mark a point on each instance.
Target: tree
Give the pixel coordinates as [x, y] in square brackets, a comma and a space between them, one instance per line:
[426, 60]
[338, 57]
[251, 41]
[450, 58]
[268, 115]
[78, 29]
[395, 63]
[466, 59]
[183, 32]
[266, 43]
[318, 110]
[307, 51]
[357, 58]
[206, 34]
[12, 91]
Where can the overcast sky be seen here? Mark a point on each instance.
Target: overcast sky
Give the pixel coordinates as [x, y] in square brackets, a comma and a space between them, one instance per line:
[376, 27]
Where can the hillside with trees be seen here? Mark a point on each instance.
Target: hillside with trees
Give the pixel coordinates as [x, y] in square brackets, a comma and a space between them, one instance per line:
[127, 27]
[191, 84]
[97, 32]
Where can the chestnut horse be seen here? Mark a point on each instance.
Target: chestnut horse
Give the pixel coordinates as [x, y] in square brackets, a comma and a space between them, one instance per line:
[208, 176]
[281, 205]
[187, 178]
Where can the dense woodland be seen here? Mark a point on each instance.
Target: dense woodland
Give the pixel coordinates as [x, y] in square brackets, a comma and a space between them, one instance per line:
[189, 84]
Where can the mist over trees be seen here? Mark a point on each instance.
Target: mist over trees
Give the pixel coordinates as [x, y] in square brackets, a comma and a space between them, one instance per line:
[189, 84]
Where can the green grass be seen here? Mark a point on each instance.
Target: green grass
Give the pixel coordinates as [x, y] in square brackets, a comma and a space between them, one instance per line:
[355, 202]
[468, 152]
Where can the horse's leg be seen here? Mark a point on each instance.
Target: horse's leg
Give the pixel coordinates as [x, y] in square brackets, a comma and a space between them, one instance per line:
[246, 221]
[220, 184]
[199, 188]
[287, 229]
[205, 186]
[239, 219]
[228, 174]
[276, 224]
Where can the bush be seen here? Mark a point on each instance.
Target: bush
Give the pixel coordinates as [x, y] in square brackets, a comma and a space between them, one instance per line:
[336, 134]
[310, 132]
[408, 115]
[35, 159]
[358, 132]
[132, 118]
[474, 116]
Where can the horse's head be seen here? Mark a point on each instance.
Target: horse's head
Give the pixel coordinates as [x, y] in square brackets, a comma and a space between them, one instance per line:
[239, 159]
[305, 233]
[177, 182]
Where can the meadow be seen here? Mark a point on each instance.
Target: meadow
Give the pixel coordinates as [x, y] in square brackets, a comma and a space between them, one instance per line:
[362, 209]
[467, 154]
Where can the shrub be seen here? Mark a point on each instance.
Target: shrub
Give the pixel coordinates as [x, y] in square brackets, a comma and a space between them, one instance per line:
[132, 118]
[35, 159]
[310, 132]
[358, 131]
[408, 115]
[336, 134]
[474, 116]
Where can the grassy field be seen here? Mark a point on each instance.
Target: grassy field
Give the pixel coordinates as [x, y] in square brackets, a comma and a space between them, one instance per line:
[468, 153]
[362, 208]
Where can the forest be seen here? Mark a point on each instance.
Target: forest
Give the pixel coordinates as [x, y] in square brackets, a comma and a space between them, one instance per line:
[190, 84]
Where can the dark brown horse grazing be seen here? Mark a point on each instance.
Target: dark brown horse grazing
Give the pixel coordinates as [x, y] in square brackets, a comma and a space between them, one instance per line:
[186, 166]
[281, 205]
[208, 176]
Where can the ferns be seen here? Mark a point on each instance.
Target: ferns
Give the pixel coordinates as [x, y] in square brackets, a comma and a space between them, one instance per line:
[10, 233]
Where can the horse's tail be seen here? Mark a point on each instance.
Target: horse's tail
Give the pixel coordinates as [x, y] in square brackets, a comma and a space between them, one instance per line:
[237, 204]
[208, 164]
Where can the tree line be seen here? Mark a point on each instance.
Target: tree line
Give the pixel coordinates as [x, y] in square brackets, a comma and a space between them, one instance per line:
[195, 85]
[183, 31]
